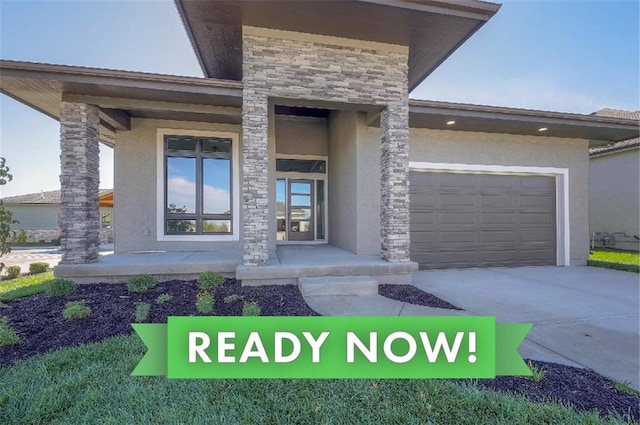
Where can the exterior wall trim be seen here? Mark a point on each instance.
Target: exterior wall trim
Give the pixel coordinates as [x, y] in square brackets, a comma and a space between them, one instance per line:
[563, 248]
[235, 185]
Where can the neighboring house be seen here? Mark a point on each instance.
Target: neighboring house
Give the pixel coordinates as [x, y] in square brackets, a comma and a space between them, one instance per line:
[614, 190]
[303, 133]
[38, 215]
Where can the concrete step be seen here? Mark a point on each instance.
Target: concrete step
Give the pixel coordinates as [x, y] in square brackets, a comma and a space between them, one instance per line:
[338, 285]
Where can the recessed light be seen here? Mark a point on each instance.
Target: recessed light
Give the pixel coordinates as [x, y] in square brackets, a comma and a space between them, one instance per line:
[451, 122]
[543, 129]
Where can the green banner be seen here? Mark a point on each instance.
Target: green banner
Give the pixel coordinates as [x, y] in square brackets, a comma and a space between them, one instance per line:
[332, 347]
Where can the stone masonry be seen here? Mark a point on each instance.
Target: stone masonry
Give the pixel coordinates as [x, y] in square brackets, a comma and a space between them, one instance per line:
[79, 181]
[288, 65]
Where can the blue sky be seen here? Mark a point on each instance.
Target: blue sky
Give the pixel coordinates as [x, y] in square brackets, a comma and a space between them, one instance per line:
[570, 56]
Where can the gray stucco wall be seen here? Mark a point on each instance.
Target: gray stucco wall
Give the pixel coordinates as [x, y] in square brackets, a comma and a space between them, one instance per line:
[614, 196]
[135, 165]
[342, 195]
[301, 136]
[514, 150]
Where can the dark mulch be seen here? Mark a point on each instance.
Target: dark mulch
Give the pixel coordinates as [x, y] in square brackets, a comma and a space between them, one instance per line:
[582, 388]
[39, 322]
[42, 328]
[412, 295]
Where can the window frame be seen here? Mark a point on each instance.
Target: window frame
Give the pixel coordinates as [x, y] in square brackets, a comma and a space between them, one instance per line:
[162, 187]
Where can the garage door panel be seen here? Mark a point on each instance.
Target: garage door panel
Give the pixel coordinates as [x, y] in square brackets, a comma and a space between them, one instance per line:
[457, 236]
[473, 220]
[461, 219]
[488, 181]
[421, 218]
[498, 218]
[454, 180]
[424, 199]
[496, 201]
[451, 200]
[538, 218]
[541, 201]
[491, 236]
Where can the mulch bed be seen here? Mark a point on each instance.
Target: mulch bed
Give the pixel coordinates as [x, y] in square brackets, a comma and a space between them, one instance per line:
[39, 322]
[582, 388]
[412, 295]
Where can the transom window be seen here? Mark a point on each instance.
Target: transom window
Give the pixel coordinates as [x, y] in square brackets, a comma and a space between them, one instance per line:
[197, 185]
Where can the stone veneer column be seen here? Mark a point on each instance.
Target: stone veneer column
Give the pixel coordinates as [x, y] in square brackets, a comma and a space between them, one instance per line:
[79, 182]
[255, 182]
[394, 181]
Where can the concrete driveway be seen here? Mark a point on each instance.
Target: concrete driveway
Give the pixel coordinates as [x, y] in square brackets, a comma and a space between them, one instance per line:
[582, 316]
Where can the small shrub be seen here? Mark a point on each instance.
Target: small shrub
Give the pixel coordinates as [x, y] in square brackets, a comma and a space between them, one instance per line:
[538, 372]
[251, 309]
[624, 387]
[22, 237]
[204, 302]
[13, 272]
[37, 268]
[141, 312]
[163, 298]
[141, 283]
[59, 287]
[208, 280]
[76, 310]
[232, 298]
[7, 335]
[55, 241]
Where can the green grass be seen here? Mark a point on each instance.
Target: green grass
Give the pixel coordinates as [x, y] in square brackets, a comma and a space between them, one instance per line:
[617, 260]
[92, 384]
[24, 286]
[624, 387]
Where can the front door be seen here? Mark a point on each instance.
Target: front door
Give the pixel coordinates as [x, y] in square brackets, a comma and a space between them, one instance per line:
[301, 207]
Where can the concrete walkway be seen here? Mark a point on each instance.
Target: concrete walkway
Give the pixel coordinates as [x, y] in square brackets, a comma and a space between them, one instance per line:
[583, 316]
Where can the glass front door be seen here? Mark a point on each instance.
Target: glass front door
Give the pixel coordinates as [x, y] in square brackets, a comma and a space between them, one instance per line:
[299, 208]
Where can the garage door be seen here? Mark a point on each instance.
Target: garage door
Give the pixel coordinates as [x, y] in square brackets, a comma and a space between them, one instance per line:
[482, 220]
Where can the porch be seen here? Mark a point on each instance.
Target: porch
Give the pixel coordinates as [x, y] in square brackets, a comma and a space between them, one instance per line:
[286, 265]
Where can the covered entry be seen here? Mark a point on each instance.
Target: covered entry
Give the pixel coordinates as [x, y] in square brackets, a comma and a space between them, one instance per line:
[461, 220]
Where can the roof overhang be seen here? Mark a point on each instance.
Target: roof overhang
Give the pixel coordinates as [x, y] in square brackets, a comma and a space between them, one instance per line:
[121, 95]
[432, 29]
[492, 119]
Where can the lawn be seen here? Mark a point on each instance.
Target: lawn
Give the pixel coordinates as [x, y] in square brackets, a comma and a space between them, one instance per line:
[618, 260]
[24, 286]
[92, 384]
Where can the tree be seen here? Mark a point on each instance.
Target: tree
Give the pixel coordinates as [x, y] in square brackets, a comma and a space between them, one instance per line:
[179, 226]
[6, 216]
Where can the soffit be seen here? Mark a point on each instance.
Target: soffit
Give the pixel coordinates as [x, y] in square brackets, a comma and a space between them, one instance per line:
[431, 29]
[489, 119]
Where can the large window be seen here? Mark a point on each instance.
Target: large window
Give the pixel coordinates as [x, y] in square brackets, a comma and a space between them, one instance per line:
[197, 185]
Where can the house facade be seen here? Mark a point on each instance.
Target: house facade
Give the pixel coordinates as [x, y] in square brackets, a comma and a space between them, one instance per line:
[303, 133]
[38, 216]
[614, 190]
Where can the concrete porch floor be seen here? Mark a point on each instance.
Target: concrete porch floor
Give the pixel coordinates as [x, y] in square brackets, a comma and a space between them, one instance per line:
[286, 264]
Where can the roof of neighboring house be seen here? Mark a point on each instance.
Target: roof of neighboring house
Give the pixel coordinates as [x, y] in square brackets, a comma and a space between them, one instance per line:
[50, 197]
[622, 145]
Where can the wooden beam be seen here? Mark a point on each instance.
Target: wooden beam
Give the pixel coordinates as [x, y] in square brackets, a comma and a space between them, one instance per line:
[116, 118]
[151, 105]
